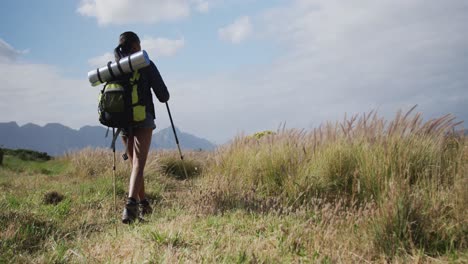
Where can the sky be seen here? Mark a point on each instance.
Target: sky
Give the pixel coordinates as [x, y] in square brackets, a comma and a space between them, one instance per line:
[240, 66]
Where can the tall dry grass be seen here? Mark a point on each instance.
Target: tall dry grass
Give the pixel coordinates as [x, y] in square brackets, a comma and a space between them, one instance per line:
[356, 158]
[414, 170]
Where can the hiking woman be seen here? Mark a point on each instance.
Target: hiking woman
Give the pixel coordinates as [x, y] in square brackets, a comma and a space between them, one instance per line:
[138, 137]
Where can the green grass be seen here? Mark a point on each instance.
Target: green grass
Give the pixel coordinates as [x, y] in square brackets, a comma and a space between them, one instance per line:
[355, 192]
[32, 167]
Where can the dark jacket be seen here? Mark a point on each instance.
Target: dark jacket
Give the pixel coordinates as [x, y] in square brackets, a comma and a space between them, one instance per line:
[151, 78]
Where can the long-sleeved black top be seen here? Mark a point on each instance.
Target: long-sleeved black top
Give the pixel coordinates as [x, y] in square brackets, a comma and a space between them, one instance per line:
[151, 78]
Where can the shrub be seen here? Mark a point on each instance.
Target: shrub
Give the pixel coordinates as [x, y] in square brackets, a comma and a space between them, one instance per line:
[174, 167]
[28, 155]
[259, 135]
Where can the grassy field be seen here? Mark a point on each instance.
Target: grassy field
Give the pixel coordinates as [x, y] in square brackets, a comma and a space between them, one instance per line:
[364, 190]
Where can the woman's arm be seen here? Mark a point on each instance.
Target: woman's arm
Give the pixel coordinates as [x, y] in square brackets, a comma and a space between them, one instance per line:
[158, 85]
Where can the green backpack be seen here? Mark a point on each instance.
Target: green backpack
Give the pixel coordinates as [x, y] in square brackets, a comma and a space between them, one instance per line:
[120, 102]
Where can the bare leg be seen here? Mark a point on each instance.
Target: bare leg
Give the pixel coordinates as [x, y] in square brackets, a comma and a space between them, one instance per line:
[141, 145]
[130, 141]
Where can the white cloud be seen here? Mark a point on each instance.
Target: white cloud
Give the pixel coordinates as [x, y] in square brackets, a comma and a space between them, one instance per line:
[38, 93]
[123, 12]
[8, 53]
[100, 61]
[238, 31]
[156, 48]
[162, 47]
[372, 52]
[128, 11]
[202, 6]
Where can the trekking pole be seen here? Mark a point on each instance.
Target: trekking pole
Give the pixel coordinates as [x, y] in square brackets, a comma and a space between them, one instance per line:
[177, 140]
[113, 178]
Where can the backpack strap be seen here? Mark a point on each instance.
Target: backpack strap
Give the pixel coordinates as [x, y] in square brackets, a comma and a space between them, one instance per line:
[110, 69]
[99, 75]
[120, 68]
[114, 137]
[130, 63]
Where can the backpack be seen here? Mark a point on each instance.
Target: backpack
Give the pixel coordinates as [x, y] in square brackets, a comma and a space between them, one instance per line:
[120, 104]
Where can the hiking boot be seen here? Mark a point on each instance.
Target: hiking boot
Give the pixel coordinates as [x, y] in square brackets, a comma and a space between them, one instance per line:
[130, 212]
[145, 208]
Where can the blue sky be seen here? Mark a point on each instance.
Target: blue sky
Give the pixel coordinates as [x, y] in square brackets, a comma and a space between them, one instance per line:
[237, 66]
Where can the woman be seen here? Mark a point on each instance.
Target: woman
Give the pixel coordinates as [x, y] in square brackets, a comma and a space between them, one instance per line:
[138, 138]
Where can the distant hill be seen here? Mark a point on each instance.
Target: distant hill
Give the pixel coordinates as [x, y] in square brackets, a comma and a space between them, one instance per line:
[57, 139]
[164, 139]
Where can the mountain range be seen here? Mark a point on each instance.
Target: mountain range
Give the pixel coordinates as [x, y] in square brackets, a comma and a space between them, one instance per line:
[57, 139]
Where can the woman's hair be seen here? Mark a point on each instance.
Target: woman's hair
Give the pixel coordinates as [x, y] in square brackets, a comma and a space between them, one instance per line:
[126, 41]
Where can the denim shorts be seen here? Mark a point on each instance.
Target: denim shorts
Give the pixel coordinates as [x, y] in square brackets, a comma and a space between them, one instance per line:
[147, 123]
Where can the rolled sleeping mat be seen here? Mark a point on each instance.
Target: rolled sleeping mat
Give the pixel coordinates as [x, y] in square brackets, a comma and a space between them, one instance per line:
[125, 65]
